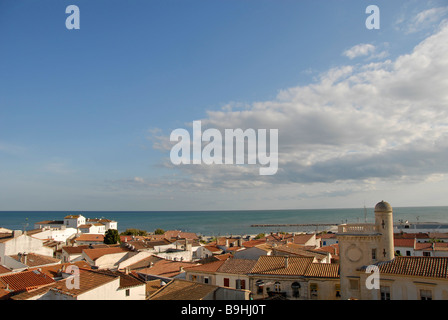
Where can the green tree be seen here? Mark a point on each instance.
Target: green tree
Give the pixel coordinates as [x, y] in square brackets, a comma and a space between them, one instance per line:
[259, 236]
[134, 232]
[159, 231]
[111, 237]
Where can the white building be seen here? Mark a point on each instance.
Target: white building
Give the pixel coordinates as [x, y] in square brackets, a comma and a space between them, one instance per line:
[18, 242]
[90, 285]
[74, 221]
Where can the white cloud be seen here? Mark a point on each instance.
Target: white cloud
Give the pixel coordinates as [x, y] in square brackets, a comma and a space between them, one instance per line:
[359, 50]
[356, 128]
[425, 19]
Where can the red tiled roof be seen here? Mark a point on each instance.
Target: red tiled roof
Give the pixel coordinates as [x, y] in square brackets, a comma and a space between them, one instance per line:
[88, 280]
[237, 266]
[79, 249]
[404, 243]
[179, 234]
[207, 267]
[24, 281]
[326, 236]
[333, 249]
[3, 269]
[277, 265]
[408, 235]
[302, 238]
[433, 267]
[166, 268]
[94, 254]
[253, 243]
[34, 259]
[322, 270]
[212, 248]
[54, 270]
[90, 237]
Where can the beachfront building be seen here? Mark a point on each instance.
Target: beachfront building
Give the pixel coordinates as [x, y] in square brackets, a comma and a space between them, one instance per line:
[107, 223]
[74, 221]
[93, 228]
[56, 234]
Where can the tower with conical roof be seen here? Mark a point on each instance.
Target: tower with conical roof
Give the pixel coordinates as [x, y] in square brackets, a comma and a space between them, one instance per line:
[364, 244]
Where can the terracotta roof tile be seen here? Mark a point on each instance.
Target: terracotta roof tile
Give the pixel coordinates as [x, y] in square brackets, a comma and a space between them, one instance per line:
[207, 267]
[94, 254]
[277, 265]
[433, 267]
[166, 268]
[34, 259]
[24, 281]
[237, 266]
[183, 290]
[90, 237]
[4, 269]
[404, 242]
[322, 270]
[179, 234]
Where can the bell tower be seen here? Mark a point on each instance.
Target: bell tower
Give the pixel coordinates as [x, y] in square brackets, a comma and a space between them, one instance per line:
[384, 225]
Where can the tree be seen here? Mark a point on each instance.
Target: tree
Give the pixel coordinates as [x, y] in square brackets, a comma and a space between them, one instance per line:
[260, 235]
[111, 237]
[159, 231]
[134, 232]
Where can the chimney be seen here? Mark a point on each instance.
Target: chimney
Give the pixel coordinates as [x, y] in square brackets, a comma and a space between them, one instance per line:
[286, 261]
[16, 233]
[227, 243]
[24, 257]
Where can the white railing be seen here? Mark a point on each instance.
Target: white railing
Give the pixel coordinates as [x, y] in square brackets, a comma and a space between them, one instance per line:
[358, 228]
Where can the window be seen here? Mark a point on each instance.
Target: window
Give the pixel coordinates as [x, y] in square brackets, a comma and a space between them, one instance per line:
[226, 282]
[295, 289]
[373, 254]
[277, 287]
[426, 254]
[425, 295]
[259, 285]
[385, 293]
[337, 288]
[128, 292]
[313, 291]
[240, 284]
[408, 253]
[354, 284]
[193, 277]
[206, 280]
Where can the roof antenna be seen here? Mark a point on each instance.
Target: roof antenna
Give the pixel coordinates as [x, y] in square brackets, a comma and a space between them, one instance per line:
[365, 212]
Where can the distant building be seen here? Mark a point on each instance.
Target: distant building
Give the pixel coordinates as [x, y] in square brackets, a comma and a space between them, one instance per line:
[74, 221]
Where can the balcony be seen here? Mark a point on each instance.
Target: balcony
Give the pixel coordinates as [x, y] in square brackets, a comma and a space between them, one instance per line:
[357, 228]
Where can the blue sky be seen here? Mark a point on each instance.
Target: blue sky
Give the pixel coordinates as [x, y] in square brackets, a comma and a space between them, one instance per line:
[85, 114]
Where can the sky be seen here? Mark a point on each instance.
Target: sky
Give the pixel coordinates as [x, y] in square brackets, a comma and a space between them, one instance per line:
[86, 114]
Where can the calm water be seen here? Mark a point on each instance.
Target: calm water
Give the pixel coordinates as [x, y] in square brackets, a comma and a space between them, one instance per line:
[223, 222]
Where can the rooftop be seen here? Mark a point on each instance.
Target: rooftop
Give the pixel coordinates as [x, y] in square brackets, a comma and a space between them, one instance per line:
[432, 267]
[183, 290]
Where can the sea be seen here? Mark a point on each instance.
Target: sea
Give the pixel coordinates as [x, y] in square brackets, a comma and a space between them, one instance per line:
[221, 223]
